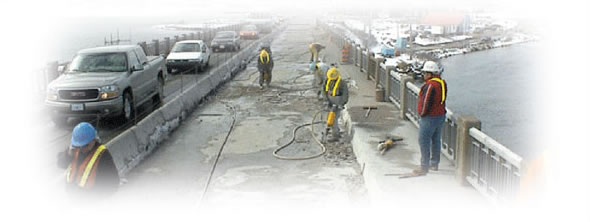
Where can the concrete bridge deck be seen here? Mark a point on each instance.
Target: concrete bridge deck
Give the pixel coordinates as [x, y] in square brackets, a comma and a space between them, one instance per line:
[221, 155]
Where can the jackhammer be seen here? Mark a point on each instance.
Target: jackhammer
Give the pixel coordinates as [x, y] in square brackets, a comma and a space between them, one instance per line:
[329, 122]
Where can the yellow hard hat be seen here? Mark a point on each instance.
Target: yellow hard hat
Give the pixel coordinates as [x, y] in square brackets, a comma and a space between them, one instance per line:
[333, 73]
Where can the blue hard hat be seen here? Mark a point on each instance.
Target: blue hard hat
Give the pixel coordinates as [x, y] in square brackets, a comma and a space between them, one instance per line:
[83, 134]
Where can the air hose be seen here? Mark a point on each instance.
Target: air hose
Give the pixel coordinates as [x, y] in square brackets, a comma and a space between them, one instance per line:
[274, 153]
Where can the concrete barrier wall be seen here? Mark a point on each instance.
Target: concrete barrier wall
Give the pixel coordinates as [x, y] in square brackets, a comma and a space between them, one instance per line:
[132, 146]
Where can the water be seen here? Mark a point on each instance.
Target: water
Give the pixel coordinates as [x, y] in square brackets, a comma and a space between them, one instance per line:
[498, 87]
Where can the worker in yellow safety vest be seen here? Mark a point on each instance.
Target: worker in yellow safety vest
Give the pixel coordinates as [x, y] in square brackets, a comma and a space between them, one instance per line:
[265, 65]
[319, 70]
[335, 91]
[314, 49]
[90, 166]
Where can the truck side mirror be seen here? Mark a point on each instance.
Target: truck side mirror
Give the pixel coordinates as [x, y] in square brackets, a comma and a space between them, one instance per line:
[135, 68]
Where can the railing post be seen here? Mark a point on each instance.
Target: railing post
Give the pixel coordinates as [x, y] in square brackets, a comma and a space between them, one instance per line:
[156, 46]
[464, 123]
[192, 36]
[375, 69]
[387, 74]
[167, 41]
[403, 89]
[357, 55]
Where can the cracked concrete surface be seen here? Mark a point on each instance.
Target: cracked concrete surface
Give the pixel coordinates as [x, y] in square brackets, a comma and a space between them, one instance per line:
[247, 172]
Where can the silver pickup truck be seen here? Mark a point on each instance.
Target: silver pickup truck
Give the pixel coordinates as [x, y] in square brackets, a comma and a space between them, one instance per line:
[106, 81]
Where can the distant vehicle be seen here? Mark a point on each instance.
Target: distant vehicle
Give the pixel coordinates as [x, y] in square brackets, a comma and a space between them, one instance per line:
[106, 81]
[416, 70]
[264, 25]
[249, 32]
[402, 67]
[189, 54]
[229, 40]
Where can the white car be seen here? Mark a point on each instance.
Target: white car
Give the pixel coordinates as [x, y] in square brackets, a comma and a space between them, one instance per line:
[188, 54]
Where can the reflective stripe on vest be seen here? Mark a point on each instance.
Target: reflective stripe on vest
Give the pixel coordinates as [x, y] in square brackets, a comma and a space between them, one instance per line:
[335, 86]
[442, 85]
[265, 54]
[69, 173]
[90, 165]
[72, 171]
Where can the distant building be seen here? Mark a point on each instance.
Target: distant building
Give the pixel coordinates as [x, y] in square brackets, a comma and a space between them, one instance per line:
[446, 23]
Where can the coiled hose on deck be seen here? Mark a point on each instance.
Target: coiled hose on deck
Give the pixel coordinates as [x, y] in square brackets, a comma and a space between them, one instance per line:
[274, 153]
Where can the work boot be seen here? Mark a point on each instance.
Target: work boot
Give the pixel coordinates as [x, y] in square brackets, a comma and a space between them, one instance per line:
[420, 171]
[261, 87]
[334, 138]
[434, 167]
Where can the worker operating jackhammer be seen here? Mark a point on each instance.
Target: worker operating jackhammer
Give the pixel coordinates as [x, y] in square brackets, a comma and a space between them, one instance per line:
[319, 70]
[314, 49]
[265, 65]
[336, 96]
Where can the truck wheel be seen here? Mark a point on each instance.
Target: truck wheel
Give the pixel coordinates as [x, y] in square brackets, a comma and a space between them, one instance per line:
[128, 108]
[160, 97]
[198, 68]
[59, 121]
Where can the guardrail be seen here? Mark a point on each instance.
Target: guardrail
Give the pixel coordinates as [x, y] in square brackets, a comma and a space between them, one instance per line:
[412, 92]
[364, 61]
[482, 162]
[381, 76]
[395, 88]
[449, 137]
[494, 169]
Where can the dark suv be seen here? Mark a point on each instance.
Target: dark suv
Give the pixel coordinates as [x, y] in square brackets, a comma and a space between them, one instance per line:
[226, 40]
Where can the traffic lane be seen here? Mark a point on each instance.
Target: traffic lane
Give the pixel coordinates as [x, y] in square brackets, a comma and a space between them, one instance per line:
[176, 172]
[58, 137]
[175, 83]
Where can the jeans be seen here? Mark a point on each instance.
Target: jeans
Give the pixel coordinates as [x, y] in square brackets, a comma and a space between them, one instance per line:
[430, 140]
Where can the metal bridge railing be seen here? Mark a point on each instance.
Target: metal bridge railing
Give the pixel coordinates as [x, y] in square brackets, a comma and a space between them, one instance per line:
[412, 92]
[494, 169]
[491, 168]
[382, 76]
[395, 88]
[364, 63]
[449, 137]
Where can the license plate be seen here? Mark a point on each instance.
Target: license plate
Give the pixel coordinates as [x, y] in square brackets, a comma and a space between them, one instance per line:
[221, 46]
[78, 107]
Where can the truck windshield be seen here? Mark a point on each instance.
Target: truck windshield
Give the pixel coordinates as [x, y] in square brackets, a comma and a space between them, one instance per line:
[187, 47]
[224, 35]
[105, 62]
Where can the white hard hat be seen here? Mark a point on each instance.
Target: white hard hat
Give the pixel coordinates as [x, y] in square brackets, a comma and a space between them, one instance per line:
[430, 66]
